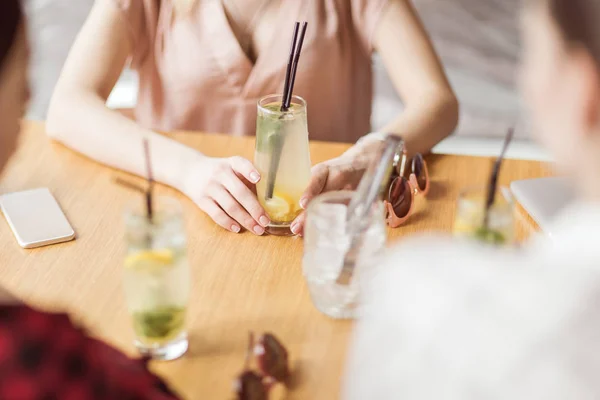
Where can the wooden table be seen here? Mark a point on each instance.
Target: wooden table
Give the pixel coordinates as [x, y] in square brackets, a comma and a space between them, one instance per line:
[240, 282]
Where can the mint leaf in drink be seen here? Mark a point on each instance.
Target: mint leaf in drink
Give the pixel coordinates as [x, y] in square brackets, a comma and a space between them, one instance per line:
[267, 141]
[490, 236]
[268, 129]
[160, 323]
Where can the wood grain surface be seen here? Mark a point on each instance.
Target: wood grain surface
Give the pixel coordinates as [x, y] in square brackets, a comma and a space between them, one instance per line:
[240, 282]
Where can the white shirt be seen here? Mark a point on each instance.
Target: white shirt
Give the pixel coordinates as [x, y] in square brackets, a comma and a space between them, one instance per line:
[448, 320]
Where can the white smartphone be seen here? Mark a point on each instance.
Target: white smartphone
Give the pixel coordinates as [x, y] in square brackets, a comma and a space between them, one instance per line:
[35, 218]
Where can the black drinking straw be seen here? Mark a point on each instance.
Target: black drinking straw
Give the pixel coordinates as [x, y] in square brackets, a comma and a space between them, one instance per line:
[150, 179]
[491, 194]
[288, 99]
[288, 71]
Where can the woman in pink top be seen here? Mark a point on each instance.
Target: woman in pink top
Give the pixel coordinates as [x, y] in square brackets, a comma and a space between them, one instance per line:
[203, 64]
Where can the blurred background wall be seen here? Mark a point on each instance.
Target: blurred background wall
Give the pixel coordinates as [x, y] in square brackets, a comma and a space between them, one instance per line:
[478, 41]
[53, 25]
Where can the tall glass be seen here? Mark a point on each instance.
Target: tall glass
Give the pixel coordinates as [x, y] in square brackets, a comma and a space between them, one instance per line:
[156, 279]
[470, 214]
[326, 243]
[283, 159]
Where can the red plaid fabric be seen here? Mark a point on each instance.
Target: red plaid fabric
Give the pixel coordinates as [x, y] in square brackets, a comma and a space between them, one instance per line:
[43, 356]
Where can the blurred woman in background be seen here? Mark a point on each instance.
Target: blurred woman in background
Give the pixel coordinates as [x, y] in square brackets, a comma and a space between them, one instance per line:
[203, 65]
[448, 320]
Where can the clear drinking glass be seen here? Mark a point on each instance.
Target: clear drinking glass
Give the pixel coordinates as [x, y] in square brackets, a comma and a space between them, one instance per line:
[470, 213]
[156, 278]
[326, 243]
[283, 159]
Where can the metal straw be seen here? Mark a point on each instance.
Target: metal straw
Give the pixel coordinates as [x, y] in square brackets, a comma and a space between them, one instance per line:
[367, 193]
[277, 142]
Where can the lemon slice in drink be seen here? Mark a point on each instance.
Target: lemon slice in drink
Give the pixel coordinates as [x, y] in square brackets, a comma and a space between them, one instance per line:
[280, 208]
[149, 259]
[463, 227]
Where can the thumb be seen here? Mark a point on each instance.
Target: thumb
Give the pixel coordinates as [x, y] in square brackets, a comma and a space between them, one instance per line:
[318, 180]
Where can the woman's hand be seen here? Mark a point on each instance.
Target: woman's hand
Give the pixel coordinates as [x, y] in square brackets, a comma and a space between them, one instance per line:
[7, 298]
[224, 189]
[341, 173]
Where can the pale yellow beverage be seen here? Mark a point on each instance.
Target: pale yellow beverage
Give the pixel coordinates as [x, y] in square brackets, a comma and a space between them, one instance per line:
[156, 279]
[157, 288]
[282, 157]
[470, 215]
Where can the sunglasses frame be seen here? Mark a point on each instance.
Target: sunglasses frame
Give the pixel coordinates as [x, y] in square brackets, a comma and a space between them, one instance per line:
[257, 382]
[392, 219]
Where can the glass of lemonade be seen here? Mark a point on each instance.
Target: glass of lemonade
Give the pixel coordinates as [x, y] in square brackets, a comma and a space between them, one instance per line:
[282, 157]
[156, 278]
[326, 242]
[470, 214]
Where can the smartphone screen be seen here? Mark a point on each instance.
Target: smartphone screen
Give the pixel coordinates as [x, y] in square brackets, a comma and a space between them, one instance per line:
[35, 218]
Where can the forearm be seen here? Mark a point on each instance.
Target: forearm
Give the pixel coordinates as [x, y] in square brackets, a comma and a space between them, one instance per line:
[424, 124]
[421, 127]
[81, 121]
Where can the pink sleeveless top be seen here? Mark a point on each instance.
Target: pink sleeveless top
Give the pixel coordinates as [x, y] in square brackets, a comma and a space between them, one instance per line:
[194, 74]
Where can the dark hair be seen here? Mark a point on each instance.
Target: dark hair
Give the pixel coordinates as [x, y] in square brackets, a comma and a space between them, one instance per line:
[579, 22]
[10, 18]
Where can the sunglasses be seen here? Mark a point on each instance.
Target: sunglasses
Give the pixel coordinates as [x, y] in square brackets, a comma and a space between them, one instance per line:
[272, 362]
[404, 186]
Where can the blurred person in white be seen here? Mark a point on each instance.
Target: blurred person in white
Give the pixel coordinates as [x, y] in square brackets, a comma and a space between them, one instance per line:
[450, 320]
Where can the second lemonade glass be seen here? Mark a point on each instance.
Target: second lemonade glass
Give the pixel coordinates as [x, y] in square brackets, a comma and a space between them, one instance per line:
[282, 158]
[156, 278]
[470, 215]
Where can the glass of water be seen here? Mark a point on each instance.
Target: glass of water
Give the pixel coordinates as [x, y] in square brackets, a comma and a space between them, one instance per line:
[156, 278]
[326, 243]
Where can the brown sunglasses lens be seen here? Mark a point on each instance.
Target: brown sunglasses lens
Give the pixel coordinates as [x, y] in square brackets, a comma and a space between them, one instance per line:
[249, 386]
[418, 168]
[272, 357]
[400, 196]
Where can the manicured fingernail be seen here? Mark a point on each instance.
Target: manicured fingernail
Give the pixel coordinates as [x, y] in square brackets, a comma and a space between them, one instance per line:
[235, 228]
[259, 230]
[254, 177]
[295, 228]
[264, 221]
[303, 202]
